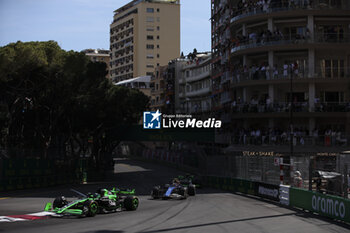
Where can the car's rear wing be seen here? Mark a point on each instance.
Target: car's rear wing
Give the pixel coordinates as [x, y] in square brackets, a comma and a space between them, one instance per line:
[124, 191]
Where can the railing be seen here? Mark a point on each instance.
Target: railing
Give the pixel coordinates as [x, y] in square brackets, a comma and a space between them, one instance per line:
[285, 107]
[283, 139]
[331, 107]
[267, 73]
[273, 107]
[288, 6]
[156, 103]
[194, 110]
[198, 92]
[273, 40]
[199, 76]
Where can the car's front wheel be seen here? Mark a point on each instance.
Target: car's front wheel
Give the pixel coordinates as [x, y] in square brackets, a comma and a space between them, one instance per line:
[155, 192]
[90, 208]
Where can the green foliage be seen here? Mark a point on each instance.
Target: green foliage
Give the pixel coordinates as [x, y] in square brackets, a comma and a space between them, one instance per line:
[50, 98]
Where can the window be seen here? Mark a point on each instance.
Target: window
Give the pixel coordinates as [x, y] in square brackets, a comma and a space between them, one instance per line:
[157, 9]
[158, 37]
[150, 56]
[150, 66]
[158, 28]
[149, 46]
[150, 28]
[149, 73]
[157, 46]
[150, 19]
[158, 55]
[150, 10]
[149, 37]
[157, 64]
[158, 19]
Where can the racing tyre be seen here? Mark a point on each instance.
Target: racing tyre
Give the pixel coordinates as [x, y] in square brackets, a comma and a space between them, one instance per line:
[90, 208]
[131, 203]
[59, 202]
[155, 192]
[191, 190]
[183, 192]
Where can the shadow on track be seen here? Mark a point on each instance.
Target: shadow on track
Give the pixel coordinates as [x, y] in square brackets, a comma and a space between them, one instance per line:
[217, 223]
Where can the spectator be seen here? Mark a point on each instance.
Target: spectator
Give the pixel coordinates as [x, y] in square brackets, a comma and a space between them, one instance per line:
[285, 70]
[298, 180]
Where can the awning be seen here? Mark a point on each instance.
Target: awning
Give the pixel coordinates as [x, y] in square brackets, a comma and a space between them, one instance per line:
[141, 79]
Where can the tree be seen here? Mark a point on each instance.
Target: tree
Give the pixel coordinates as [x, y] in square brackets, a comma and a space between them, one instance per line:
[51, 98]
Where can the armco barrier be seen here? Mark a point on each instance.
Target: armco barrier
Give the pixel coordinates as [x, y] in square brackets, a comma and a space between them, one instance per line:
[326, 205]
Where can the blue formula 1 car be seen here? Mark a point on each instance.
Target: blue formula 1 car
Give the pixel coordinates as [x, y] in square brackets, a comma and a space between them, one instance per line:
[176, 190]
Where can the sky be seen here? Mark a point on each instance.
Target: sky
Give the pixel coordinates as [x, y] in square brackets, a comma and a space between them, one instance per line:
[82, 24]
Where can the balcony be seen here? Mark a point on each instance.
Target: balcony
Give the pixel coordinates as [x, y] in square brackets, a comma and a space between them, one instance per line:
[199, 92]
[225, 98]
[284, 107]
[279, 7]
[259, 75]
[194, 110]
[295, 40]
[281, 139]
[182, 80]
[157, 103]
[198, 77]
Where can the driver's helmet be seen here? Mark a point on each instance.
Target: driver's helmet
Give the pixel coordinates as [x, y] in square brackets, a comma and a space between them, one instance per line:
[176, 181]
[102, 191]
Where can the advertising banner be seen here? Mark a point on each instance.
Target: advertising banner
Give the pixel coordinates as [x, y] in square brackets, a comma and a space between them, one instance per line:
[268, 191]
[326, 205]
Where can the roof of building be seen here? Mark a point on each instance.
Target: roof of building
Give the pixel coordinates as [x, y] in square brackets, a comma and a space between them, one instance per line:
[135, 2]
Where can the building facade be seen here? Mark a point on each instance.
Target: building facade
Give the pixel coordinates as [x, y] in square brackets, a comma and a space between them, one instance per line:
[281, 68]
[98, 55]
[158, 89]
[195, 85]
[144, 34]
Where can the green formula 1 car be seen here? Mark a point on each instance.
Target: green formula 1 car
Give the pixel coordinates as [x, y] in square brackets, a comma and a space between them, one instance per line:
[103, 201]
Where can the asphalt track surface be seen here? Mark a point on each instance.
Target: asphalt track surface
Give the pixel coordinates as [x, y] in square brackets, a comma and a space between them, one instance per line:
[209, 211]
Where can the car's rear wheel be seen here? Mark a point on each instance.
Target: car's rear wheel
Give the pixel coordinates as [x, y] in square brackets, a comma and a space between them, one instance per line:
[191, 190]
[131, 203]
